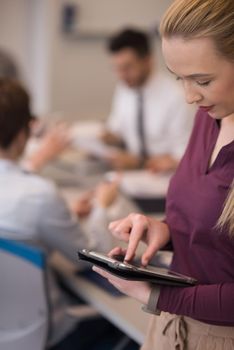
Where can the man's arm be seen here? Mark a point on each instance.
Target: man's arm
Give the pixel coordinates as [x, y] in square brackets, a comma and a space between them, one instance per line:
[59, 229]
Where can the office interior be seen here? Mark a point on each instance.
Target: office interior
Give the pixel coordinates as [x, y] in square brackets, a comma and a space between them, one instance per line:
[60, 50]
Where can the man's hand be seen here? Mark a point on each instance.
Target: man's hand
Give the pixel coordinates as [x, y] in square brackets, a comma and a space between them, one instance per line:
[83, 206]
[106, 193]
[123, 160]
[111, 139]
[164, 163]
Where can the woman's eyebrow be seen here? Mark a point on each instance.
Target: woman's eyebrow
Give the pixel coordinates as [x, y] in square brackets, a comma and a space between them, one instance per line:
[199, 75]
[195, 75]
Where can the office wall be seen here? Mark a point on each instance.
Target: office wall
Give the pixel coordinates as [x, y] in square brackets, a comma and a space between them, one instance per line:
[13, 31]
[83, 67]
[24, 35]
[68, 75]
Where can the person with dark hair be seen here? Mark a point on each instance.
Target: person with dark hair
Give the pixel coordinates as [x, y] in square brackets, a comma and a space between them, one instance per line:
[14, 107]
[8, 67]
[149, 115]
[32, 210]
[52, 142]
[133, 39]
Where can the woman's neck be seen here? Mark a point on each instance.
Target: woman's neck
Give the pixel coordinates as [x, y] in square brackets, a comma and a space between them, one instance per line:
[226, 136]
[227, 129]
[228, 120]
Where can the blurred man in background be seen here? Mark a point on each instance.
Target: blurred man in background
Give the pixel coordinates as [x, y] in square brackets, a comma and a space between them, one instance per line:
[149, 116]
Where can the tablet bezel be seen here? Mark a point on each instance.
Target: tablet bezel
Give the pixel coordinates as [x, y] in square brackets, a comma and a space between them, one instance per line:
[150, 271]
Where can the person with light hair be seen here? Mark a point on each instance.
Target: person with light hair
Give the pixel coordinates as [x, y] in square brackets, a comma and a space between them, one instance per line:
[198, 47]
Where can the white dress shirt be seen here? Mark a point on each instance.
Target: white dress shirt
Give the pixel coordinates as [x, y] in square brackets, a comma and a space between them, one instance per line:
[167, 118]
[32, 210]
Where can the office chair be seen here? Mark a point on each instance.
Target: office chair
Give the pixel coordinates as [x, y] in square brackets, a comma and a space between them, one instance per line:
[24, 320]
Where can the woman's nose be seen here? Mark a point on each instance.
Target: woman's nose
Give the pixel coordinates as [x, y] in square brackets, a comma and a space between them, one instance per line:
[191, 94]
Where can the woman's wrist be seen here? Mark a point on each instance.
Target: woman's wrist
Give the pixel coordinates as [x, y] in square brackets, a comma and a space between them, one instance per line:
[144, 294]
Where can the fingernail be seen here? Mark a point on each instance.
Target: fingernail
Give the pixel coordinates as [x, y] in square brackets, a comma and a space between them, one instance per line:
[127, 257]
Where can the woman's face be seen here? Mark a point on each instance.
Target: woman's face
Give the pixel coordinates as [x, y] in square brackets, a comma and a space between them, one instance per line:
[207, 77]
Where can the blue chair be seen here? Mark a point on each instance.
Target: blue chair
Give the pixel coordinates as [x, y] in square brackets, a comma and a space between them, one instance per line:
[24, 316]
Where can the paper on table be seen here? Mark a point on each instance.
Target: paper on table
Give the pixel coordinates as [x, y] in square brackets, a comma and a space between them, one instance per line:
[86, 130]
[142, 183]
[85, 136]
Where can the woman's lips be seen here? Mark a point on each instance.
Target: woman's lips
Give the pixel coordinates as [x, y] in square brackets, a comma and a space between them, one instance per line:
[206, 108]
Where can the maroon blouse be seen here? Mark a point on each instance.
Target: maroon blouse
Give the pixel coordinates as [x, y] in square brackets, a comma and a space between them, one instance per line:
[195, 200]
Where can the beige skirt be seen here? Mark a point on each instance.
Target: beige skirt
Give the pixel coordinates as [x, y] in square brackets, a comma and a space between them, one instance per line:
[168, 332]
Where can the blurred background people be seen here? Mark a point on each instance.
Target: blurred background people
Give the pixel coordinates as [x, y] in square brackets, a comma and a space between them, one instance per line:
[31, 208]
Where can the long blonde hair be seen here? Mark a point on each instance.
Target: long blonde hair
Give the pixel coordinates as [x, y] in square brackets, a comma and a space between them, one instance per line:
[227, 217]
[213, 19]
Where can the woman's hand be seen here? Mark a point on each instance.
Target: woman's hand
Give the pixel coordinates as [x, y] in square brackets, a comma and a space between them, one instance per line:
[135, 228]
[137, 290]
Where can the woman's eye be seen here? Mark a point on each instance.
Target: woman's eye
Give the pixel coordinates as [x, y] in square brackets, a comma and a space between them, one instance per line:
[203, 83]
[178, 78]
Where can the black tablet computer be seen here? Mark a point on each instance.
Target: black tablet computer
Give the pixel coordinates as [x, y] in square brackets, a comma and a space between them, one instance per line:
[123, 269]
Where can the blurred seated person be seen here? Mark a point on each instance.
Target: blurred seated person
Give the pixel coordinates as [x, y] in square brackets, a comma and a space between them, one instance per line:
[149, 116]
[53, 141]
[31, 208]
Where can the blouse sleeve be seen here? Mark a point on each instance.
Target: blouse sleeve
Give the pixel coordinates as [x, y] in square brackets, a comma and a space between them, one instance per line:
[208, 303]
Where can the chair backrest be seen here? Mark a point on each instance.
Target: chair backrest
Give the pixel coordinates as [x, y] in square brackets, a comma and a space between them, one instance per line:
[23, 297]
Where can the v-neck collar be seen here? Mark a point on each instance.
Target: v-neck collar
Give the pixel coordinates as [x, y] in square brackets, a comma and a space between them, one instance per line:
[216, 129]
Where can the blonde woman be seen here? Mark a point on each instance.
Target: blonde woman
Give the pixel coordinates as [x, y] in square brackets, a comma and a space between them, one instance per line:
[198, 46]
